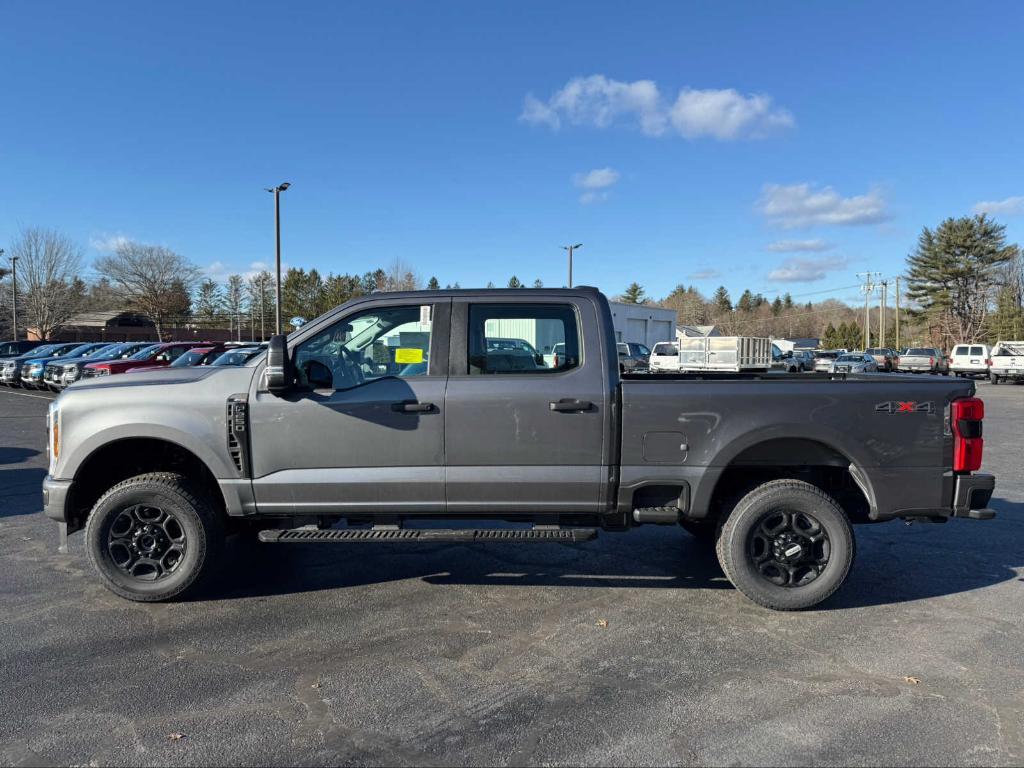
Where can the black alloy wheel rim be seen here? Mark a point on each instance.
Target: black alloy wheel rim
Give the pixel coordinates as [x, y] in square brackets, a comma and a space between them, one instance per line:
[146, 542]
[789, 548]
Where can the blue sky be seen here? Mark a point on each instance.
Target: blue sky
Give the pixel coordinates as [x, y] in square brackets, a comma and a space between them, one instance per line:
[775, 146]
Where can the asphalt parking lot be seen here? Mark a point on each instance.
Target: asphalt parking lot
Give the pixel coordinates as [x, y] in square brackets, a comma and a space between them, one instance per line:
[630, 649]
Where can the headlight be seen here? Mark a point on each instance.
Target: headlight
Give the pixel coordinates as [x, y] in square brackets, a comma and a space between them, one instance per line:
[69, 368]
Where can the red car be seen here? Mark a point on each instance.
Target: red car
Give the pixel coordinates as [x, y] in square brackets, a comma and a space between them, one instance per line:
[201, 355]
[153, 356]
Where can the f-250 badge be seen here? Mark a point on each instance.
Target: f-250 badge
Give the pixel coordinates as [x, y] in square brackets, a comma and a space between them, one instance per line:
[905, 406]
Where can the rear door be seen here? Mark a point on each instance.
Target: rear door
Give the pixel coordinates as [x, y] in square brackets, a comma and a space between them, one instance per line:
[526, 437]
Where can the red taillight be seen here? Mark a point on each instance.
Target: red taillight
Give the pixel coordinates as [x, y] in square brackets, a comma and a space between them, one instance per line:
[965, 416]
[988, 363]
[931, 361]
[555, 361]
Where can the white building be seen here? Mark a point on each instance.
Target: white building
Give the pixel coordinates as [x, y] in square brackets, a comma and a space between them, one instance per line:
[643, 323]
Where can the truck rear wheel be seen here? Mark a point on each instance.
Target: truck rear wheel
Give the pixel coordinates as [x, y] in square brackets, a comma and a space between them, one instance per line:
[786, 545]
[152, 537]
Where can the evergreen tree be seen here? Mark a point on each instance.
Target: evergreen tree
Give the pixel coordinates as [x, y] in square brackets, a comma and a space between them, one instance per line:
[721, 300]
[513, 282]
[634, 294]
[433, 285]
[777, 306]
[787, 301]
[209, 304]
[537, 283]
[952, 272]
[746, 302]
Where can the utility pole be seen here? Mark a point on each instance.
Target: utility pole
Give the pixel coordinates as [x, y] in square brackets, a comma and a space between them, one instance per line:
[881, 315]
[897, 314]
[14, 293]
[570, 249]
[868, 288]
[277, 231]
[263, 295]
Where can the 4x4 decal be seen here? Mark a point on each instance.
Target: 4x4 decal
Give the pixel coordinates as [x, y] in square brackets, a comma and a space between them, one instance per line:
[905, 406]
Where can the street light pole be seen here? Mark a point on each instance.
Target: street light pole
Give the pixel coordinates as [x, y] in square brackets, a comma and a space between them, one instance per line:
[263, 295]
[277, 233]
[14, 294]
[570, 249]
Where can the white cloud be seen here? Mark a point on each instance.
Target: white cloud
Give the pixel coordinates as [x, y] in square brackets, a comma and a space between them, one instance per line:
[798, 246]
[807, 270]
[219, 272]
[600, 102]
[595, 184]
[105, 243]
[1011, 206]
[800, 205]
[704, 274]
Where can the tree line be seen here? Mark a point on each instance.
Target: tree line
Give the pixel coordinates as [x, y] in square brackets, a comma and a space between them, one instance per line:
[964, 282]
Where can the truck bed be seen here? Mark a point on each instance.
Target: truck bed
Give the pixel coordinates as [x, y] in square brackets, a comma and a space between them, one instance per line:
[889, 431]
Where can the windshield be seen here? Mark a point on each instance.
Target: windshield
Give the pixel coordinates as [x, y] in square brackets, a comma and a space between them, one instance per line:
[237, 356]
[665, 349]
[192, 357]
[101, 351]
[146, 352]
[43, 351]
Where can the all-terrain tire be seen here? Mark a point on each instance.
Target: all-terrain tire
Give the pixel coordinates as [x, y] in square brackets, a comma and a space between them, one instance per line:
[742, 534]
[192, 530]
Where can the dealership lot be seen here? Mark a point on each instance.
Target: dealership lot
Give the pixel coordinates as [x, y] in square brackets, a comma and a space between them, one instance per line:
[630, 649]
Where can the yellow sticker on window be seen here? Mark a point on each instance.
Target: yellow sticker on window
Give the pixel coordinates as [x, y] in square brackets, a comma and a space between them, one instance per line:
[408, 355]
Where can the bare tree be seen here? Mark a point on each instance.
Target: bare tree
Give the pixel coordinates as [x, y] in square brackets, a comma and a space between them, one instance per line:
[151, 278]
[402, 277]
[48, 264]
[234, 298]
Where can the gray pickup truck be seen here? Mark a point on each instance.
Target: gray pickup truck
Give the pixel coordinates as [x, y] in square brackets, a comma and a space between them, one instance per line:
[394, 408]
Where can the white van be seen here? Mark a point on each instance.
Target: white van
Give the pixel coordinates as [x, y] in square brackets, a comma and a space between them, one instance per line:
[664, 357]
[969, 359]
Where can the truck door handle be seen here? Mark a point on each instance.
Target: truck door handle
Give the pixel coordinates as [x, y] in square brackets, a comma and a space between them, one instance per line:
[411, 406]
[569, 405]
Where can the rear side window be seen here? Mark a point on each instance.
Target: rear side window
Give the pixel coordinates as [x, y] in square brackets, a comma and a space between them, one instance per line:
[549, 332]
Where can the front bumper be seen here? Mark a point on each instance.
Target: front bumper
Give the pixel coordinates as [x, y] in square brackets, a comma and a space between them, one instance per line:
[56, 498]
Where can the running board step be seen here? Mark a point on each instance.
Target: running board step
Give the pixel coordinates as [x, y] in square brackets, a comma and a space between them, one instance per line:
[428, 535]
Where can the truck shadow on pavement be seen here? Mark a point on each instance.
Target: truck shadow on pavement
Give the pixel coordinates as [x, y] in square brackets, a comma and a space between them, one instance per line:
[894, 564]
[22, 490]
[16, 455]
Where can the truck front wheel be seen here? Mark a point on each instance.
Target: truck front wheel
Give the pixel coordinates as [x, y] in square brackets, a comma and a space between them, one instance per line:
[153, 536]
[786, 545]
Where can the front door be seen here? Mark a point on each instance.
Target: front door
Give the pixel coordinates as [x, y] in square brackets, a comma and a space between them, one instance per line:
[364, 430]
[526, 411]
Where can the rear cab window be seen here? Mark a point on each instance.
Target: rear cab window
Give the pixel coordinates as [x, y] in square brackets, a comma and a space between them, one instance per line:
[522, 339]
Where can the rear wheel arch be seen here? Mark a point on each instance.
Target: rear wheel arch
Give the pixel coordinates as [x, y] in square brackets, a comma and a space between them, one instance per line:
[813, 460]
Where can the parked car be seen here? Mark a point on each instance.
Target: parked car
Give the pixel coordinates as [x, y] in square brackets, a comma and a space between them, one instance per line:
[67, 372]
[33, 370]
[854, 362]
[245, 354]
[633, 357]
[15, 348]
[970, 359]
[664, 357]
[885, 358]
[1007, 362]
[53, 371]
[792, 361]
[923, 360]
[824, 358]
[155, 468]
[193, 357]
[153, 355]
[10, 368]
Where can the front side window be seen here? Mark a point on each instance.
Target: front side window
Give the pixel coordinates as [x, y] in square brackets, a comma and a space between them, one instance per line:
[507, 338]
[380, 342]
[643, 350]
